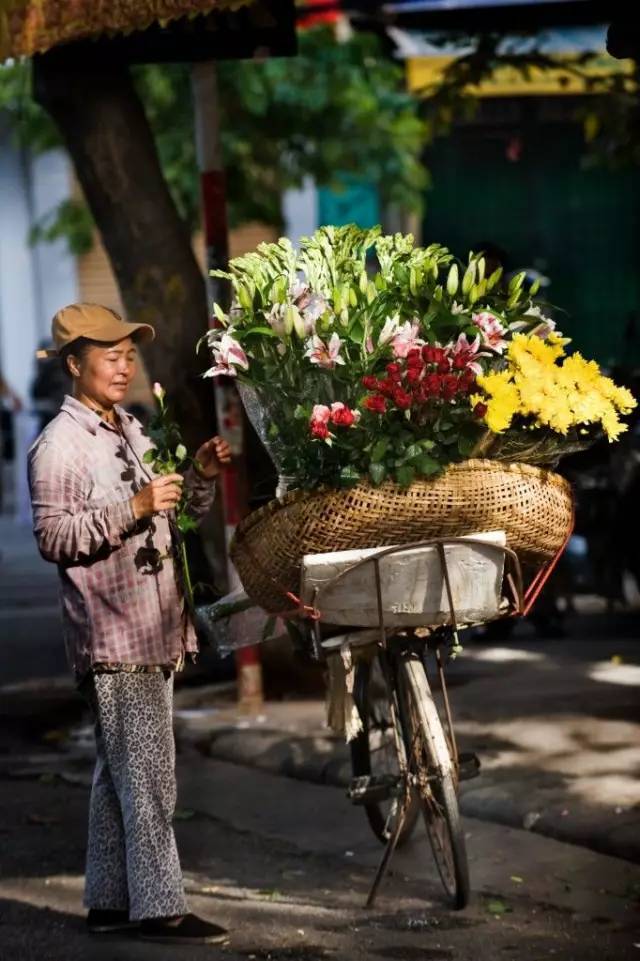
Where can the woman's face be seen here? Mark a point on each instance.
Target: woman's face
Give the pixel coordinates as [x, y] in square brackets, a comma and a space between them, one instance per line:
[104, 373]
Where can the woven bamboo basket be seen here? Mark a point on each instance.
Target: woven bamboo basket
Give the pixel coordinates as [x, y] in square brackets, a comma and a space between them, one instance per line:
[533, 507]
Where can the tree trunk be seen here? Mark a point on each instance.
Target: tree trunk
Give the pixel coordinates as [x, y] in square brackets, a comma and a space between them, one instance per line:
[102, 121]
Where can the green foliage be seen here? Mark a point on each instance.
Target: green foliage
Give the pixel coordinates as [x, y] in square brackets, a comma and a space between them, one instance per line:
[72, 220]
[31, 126]
[336, 108]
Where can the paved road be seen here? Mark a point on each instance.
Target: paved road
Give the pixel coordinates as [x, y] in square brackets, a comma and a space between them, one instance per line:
[287, 866]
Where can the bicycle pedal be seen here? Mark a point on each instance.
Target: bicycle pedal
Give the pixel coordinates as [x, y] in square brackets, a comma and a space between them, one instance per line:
[468, 766]
[369, 788]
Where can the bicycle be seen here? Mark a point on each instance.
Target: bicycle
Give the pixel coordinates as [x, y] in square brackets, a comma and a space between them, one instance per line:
[405, 760]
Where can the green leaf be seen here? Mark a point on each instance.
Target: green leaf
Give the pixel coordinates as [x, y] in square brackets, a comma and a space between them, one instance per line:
[181, 452]
[349, 476]
[405, 475]
[356, 332]
[259, 331]
[183, 814]
[377, 473]
[467, 440]
[413, 451]
[379, 450]
[150, 455]
[220, 314]
[428, 466]
[186, 523]
[497, 907]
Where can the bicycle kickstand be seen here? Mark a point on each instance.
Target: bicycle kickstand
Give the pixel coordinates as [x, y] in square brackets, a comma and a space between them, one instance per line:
[388, 851]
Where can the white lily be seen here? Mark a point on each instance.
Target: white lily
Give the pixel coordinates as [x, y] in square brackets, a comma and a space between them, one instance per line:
[325, 355]
[390, 329]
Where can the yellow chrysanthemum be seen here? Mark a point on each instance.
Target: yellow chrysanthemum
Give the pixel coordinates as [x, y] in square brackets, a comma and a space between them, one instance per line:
[551, 392]
[503, 400]
[524, 346]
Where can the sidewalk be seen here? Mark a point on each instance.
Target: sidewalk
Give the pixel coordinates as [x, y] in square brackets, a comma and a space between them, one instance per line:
[556, 724]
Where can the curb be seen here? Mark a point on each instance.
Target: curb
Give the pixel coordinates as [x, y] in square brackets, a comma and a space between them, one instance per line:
[325, 760]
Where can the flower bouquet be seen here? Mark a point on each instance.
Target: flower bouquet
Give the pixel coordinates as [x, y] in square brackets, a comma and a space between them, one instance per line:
[365, 361]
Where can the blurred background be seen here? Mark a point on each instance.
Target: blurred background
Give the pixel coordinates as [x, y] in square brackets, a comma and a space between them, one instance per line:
[133, 159]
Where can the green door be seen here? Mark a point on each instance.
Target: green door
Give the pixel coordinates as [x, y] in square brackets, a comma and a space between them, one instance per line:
[580, 227]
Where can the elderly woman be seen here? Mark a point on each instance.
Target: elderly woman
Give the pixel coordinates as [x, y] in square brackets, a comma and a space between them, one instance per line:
[107, 521]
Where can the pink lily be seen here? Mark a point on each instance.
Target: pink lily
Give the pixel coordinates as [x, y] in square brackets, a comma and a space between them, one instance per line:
[325, 355]
[406, 339]
[227, 355]
[464, 351]
[546, 324]
[491, 331]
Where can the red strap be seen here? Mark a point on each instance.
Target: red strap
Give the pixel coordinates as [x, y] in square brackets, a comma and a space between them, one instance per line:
[535, 587]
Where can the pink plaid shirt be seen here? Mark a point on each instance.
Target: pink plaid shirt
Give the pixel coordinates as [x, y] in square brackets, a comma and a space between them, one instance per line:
[121, 602]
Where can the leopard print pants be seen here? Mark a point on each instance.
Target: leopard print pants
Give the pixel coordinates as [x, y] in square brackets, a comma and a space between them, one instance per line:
[132, 859]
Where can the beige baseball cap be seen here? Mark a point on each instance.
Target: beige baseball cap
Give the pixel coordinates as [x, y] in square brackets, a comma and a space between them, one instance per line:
[95, 323]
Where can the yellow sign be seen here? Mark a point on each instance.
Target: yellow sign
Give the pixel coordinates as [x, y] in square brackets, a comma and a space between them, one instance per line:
[509, 81]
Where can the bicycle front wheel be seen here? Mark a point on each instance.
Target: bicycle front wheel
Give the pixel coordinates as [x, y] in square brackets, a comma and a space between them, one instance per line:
[432, 768]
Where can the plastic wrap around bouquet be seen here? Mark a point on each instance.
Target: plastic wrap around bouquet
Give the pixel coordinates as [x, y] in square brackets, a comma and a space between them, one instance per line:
[402, 395]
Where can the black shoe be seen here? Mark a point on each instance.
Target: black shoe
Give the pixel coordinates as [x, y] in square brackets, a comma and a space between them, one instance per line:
[104, 922]
[190, 930]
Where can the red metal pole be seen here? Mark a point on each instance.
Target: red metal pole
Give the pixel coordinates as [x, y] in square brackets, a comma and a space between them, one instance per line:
[227, 401]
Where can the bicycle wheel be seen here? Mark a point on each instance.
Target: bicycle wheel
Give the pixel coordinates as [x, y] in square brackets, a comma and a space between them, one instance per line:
[431, 764]
[374, 751]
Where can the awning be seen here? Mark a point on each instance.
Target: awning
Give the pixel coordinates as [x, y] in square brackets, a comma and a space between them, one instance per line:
[34, 26]
[428, 55]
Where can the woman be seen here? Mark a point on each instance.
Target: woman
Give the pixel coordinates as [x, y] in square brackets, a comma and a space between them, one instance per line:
[107, 521]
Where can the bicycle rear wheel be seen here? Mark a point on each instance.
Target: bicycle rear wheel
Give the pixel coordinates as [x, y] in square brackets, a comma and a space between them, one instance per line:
[374, 751]
[431, 764]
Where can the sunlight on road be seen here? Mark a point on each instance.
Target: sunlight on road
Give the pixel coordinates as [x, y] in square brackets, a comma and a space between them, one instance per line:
[500, 655]
[610, 673]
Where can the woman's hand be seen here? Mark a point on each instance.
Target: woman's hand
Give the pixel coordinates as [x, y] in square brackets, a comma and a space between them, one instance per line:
[212, 457]
[162, 494]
